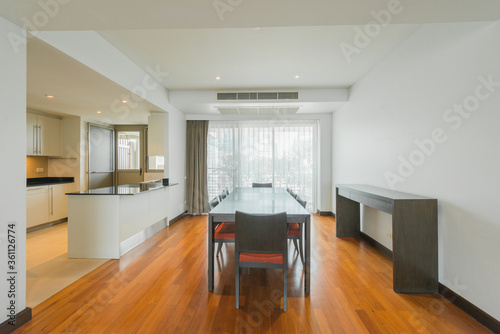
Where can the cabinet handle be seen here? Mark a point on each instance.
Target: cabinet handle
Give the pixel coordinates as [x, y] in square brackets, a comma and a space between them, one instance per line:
[34, 137]
[40, 138]
[51, 200]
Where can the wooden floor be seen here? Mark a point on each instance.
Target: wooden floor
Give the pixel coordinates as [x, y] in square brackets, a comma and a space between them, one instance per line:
[161, 287]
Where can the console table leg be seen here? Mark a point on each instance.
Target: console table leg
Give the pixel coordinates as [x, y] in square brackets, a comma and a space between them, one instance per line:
[347, 217]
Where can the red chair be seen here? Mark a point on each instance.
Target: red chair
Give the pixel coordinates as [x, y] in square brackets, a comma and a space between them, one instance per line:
[260, 242]
[295, 232]
[224, 232]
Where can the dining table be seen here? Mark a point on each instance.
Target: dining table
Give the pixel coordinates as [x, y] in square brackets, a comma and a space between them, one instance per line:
[260, 201]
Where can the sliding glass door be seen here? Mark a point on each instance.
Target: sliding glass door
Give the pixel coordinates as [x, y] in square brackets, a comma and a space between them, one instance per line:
[281, 152]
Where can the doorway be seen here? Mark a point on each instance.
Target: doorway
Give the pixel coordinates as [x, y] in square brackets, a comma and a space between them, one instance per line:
[101, 146]
[130, 153]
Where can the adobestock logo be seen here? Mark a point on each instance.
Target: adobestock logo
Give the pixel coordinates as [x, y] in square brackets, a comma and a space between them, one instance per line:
[365, 35]
[48, 10]
[223, 6]
[453, 116]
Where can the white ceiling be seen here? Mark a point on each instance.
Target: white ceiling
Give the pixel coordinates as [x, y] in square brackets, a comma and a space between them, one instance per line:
[194, 14]
[249, 58]
[77, 89]
[251, 45]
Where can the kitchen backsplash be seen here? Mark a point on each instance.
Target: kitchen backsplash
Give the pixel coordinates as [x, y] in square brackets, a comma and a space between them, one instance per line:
[37, 167]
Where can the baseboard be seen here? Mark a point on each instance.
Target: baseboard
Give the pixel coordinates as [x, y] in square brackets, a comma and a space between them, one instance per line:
[482, 317]
[138, 238]
[472, 310]
[326, 213]
[378, 246]
[8, 326]
[179, 217]
[45, 225]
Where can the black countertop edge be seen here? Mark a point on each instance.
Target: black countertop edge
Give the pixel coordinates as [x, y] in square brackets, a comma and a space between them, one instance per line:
[43, 181]
[125, 190]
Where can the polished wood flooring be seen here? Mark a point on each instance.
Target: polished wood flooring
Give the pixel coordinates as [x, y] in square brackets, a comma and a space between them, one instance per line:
[161, 287]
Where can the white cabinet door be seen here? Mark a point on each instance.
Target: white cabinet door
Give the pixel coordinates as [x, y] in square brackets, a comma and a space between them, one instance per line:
[58, 200]
[49, 135]
[31, 130]
[43, 135]
[156, 134]
[37, 206]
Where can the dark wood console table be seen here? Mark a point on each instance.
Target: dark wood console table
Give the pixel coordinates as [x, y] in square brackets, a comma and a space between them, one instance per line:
[414, 232]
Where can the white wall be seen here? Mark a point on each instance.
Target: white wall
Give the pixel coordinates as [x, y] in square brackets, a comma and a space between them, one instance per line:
[325, 143]
[177, 163]
[404, 100]
[13, 166]
[105, 59]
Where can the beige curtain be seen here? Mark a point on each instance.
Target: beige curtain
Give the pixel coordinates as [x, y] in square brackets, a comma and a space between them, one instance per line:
[196, 145]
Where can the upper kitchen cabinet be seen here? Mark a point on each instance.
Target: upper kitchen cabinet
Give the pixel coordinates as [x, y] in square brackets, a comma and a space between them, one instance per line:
[156, 134]
[43, 135]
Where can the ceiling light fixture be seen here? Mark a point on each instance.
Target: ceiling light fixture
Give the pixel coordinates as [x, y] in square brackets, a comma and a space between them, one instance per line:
[49, 96]
[217, 78]
[124, 101]
[99, 112]
[297, 76]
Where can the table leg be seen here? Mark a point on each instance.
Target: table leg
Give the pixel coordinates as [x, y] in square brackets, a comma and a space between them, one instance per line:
[307, 279]
[347, 218]
[210, 253]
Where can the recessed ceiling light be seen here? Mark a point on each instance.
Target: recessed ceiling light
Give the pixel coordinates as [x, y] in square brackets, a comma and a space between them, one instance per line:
[217, 78]
[99, 112]
[49, 96]
[297, 76]
[124, 101]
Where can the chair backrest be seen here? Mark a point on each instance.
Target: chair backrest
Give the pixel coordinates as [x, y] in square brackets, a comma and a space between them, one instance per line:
[262, 185]
[301, 202]
[294, 195]
[213, 203]
[223, 195]
[227, 192]
[266, 234]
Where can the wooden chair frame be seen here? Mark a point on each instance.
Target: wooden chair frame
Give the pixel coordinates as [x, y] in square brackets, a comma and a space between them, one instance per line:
[261, 234]
[262, 185]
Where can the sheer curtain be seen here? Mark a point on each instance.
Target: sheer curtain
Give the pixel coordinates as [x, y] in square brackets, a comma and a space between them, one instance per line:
[281, 152]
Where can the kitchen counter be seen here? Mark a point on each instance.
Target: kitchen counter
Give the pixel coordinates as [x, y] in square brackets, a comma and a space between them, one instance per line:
[126, 189]
[43, 181]
[109, 226]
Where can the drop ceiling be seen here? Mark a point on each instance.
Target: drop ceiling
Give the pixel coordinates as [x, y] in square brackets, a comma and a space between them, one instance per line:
[258, 45]
[78, 90]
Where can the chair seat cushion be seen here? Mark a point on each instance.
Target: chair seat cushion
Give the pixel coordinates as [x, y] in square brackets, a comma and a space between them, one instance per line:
[224, 231]
[293, 229]
[262, 258]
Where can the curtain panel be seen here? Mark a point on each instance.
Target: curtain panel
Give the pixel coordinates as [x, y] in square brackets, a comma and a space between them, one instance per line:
[196, 147]
[284, 153]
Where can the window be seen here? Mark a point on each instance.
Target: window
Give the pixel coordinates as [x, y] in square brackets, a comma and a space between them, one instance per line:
[281, 152]
[129, 150]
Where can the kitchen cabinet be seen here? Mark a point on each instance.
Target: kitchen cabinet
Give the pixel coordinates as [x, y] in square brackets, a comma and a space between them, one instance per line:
[48, 203]
[157, 125]
[58, 201]
[43, 135]
[37, 208]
